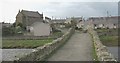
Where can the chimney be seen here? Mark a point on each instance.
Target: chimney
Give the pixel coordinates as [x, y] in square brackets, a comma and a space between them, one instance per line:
[19, 10]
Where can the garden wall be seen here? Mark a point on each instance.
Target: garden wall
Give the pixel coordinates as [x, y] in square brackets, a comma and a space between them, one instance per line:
[102, 52]
[26, 38]
[41, 53]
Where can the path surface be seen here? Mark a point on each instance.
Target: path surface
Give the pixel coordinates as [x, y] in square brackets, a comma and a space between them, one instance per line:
[78, 48]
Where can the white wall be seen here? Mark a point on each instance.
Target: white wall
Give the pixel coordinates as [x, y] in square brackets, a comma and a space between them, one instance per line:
[40, 29]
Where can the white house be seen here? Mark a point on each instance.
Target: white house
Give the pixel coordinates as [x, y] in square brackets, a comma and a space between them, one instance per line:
[68, 21]
[40, 29]
[80, 24]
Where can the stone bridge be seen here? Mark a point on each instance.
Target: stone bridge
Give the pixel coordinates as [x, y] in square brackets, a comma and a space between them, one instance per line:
[78, 48]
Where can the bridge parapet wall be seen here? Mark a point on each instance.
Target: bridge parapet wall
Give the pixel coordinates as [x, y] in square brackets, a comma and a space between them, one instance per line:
[41, 53]
[102, 52]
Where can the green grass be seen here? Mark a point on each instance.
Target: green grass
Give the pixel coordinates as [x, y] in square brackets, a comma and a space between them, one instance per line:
[24, 43]
[95, 58]
[94, 54]
[108, 37]
[57, 34]
[109, 40]
[102, 30]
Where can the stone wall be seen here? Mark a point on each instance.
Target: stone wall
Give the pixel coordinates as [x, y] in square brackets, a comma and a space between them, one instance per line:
[102, 52]
[41, 53]
[27, 37]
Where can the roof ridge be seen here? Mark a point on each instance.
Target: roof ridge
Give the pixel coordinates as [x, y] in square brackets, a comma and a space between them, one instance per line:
[29, 11]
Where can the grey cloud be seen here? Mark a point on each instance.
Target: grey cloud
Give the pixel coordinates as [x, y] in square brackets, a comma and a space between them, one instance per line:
[83, 9]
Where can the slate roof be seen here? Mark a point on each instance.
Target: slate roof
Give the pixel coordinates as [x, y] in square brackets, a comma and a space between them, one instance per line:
[31, 13]
[106, 20]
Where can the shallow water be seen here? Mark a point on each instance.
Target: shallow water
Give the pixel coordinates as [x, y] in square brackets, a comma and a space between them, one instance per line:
[11, 54]
[114, 51]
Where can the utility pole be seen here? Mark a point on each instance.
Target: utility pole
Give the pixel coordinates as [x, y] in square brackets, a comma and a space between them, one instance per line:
[107, 14]
[107, 17]
[52, 17]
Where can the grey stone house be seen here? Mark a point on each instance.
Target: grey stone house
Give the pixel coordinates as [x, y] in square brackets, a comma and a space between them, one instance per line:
[33, 22]
[28, 17]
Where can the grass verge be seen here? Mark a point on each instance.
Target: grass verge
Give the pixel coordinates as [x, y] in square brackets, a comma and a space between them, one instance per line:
[109, 40]
[24, 43]
[95, 58]
[94, 54]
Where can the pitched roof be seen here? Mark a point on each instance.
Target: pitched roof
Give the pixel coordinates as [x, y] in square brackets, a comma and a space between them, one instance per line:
[106, 20]
[31, 13]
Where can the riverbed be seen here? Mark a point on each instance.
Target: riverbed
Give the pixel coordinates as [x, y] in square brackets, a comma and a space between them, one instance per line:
[12, 54]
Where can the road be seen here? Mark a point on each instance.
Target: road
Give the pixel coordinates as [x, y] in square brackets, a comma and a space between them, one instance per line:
[78, 48]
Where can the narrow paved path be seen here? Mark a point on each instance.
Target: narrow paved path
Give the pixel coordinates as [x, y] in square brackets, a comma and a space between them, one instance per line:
[78, 48]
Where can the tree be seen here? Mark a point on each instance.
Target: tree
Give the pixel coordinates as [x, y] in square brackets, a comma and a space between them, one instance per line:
[19, 29]
[14, 24]
[23, 28]
[6, 31]
[20, 24]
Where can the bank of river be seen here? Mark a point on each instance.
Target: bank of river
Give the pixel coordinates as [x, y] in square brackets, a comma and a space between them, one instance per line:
[114, 51]
[11, 54]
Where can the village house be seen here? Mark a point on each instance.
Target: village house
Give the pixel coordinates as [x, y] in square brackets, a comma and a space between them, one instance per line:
[68, 21]
[58, 22]
[33, 22]
[48, 20]
[104, 22]
[3, 24]
[79, 21]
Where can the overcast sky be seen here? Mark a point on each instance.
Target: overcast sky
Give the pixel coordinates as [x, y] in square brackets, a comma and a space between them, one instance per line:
[58, 9]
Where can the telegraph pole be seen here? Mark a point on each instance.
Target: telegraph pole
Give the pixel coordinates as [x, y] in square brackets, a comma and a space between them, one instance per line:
[107, 14]
[52, 17]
